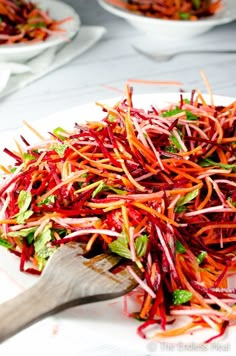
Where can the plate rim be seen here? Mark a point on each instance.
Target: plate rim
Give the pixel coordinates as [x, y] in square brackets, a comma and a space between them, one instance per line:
[143, 100]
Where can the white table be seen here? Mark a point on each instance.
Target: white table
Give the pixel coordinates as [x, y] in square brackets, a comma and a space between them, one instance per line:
[110, 64]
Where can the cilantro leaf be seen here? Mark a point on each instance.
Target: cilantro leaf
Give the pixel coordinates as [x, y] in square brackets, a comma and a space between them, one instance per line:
[59, 148]
[27, 233]
[116, 190]
[186, 101]
[111, 118]
[179, 247]
[201, 257]
[40, 244]
[99, 189]
[5, 243]
[229, 199]
[120, 247]
[189, 115]
[181, 296]
[172, 112]
[21, 217]
[184, 15]
[22, 232]
[171, 149]
[196, 3]
[207, 162]
[37, 25]
[58, 132]
[103, 187]
[28, 157]
[175, 141]
[180, 209]
[49, 200]
[141, 245]
[24, 201]
[187, 198]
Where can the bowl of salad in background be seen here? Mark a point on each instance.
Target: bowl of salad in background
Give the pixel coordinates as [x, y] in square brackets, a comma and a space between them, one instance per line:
[190, 19]
[28, 28]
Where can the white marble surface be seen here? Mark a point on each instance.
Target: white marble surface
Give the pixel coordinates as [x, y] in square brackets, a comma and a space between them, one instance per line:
[111, 62]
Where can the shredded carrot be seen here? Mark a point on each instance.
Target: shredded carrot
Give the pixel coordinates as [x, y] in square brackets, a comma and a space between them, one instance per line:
[155, 186]
[154, 82]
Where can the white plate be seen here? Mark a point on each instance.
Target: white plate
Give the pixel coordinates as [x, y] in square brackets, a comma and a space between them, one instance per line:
[174, 29]
[98, 328]
[20, 52]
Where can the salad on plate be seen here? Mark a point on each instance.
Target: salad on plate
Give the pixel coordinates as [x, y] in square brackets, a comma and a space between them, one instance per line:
[155, 186]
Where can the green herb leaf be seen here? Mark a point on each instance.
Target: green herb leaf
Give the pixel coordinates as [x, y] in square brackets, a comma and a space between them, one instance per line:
[27, 157]
[27, 233]
[201, 257]
[41, 262]
[231, 201]
[141, 245]
[13, 169]
[37, 25]
[100, 128]
[22, 217]
[171, 112]
[189, 115]
[120, 247]
[184, 15]
[103, 187]
[60, 149]
[175, 141]
[180, 209]
[23, 232]
[181, 296]
[196, 3]
[40, 244]
[186, 101]
[207, 162]
[187, 198]
[5, 243]
[24, 200]
[171, 149]
[117, 191]
[99, 188]
[49, 200]
[58, 132]
[111, 118]
[179, 247]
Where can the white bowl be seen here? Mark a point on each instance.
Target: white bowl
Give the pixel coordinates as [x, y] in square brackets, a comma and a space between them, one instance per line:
[21, 52]
[170, 28]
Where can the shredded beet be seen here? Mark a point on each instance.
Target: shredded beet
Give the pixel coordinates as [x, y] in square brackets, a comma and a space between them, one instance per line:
[153, 186]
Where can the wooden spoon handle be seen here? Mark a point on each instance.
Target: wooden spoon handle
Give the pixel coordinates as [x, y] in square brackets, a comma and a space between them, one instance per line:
[27, 308]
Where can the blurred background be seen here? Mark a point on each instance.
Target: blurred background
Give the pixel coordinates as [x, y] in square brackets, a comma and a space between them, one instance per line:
[104, 69]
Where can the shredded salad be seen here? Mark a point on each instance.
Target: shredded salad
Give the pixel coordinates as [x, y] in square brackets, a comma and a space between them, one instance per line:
[24, 21]
[154, 186]
[171, 9]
